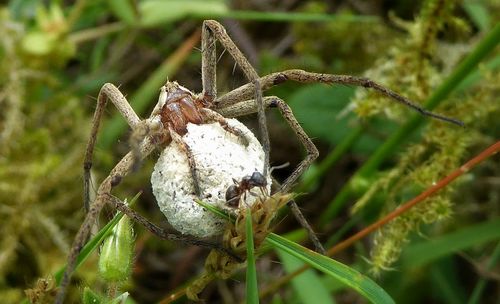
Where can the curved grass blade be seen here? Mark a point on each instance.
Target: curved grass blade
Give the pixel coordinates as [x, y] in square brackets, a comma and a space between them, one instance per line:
[350, 277]
[419, 254]
[308, 285]
[251, 277]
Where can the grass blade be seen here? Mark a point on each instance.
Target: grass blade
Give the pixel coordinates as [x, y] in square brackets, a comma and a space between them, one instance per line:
[478, 289]
[308, 285]
[466, 67]
[422, 253]
[350, 277]
[252, 288]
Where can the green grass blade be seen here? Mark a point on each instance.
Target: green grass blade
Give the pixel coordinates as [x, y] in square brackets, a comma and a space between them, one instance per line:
[478, 289]
[155, 13]
[308, 285]
[94, 242]
[252, 288]
[422, 253]
[350, 277]
[289, 16]
[124, 10]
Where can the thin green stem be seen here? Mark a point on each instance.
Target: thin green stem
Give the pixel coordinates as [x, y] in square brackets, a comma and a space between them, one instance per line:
[96, 32]
[383, 152]
[479, 288]
[287, 16]
[75, 13]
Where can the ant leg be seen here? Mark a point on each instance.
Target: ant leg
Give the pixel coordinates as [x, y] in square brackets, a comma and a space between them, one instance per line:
[245, 92]
[213, 28]
[211, 116]
[190, 158]
[114, 178]
[245, 108]
[163, 233]
[111, 92]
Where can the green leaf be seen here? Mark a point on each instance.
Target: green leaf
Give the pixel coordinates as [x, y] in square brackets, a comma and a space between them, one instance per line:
[319, 109]
[422, 253]
[125, 10]
[350, 277]
[91, 297]
[308, 285]
[252, 288]
[478, 13]
[156, 12]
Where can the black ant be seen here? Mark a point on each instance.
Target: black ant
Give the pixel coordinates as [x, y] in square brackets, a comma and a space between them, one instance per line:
[234, 192]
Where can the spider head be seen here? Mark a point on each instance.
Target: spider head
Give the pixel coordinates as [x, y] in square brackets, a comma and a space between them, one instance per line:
[171, 91]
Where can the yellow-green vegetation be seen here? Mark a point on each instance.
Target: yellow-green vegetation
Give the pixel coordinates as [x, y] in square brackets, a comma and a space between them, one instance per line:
[43, 130]
[416, 66]
[374, 154]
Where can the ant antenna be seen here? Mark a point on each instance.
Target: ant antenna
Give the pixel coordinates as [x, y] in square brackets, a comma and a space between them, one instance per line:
[279, 167]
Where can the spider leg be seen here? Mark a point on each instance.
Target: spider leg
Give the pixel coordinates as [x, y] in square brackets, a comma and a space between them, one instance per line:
[163, 233]
[245, 92]
[246, 107]
[190, 158]
[111, 92]
[212, 116]
[212, 29]
[121, 169]
[208, 64]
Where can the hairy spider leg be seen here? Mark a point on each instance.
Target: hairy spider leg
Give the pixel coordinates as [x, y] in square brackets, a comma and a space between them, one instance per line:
[247, 107]
[108, 91]
[212, 30]
[121, 169]
[245, 92]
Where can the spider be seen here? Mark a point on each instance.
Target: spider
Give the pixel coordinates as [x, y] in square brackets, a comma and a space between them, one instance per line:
[177, 107]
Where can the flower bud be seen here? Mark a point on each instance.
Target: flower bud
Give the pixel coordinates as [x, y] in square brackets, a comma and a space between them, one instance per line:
[117, 252]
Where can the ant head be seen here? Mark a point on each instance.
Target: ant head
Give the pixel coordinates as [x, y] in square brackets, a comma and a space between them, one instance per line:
[258, 180]
[232, 196]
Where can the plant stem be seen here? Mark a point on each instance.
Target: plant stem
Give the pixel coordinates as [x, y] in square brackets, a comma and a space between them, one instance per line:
[487, 45]
[478, 289]
[96, 32]
[397, 212]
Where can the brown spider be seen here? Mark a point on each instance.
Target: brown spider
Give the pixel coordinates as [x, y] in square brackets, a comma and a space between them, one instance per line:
[177, 107]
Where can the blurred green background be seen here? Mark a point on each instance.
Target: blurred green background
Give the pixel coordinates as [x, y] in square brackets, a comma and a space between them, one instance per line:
[374, 154]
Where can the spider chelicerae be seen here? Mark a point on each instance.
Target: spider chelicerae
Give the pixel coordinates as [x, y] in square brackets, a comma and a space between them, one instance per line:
[177, 107]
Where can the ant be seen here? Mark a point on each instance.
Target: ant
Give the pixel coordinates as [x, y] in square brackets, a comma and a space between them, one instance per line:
[234, 192]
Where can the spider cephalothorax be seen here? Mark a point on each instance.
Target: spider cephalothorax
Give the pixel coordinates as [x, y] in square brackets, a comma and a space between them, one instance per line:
[178, 106]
